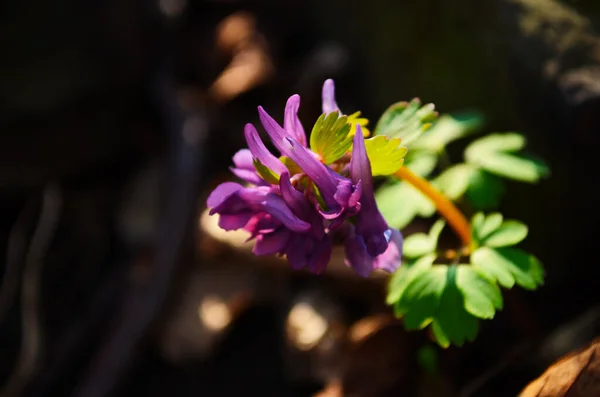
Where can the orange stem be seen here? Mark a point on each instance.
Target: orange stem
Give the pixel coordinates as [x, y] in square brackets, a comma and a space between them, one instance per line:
[445, 207]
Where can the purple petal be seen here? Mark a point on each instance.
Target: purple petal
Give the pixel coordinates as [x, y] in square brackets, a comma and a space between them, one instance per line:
[222, 193]
[320, 256]
[391, 259]
[370, 224]
[243, 159]
[317, 171]
[357, 256]
[328, 96]
[249, 176]
[296, 252]
[234, 222]
[260, 151]
[272, 243]
[291, 122]
[275, 131]
[293, 198]
[275, 206]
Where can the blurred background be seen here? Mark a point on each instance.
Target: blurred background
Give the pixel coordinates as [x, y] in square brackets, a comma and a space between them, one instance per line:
[118, 117]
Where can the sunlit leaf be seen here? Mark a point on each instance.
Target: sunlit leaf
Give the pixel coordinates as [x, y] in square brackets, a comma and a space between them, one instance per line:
[265, 172]
[421, 297]
[525, 269]
[405, 120]
[447, 129]
[385, 155]
[452, 323]
[509, 233]
[506, 142]
[330, 137]
[495, 154]
[292, 167]
[404, 275]
[420, 244]
[481, 295]
[399, 203]
[421, 162]
[454, 182]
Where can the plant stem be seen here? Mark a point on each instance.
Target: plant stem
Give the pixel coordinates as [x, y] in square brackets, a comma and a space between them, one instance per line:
[445, 207]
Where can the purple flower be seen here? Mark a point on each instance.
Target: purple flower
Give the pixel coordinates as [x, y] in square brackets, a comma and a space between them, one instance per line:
[339, 193]
[328, 97]
[363, 263]
[301, 216]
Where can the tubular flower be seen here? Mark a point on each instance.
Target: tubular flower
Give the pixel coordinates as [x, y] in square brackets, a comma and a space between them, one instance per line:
[298, 204]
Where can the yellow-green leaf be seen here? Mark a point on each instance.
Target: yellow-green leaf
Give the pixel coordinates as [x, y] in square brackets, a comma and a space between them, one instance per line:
[385, 154]
[265, 172]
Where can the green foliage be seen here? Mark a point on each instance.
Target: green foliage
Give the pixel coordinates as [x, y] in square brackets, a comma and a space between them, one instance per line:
[385, 154]
[449, 298]
[265, 172]
[452, 298]
[420, 244]
[330, 137]
[399, 203]
[405, 120]
[496, 154]
[446, 129]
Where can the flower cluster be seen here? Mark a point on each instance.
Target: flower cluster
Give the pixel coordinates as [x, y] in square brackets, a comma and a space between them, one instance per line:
[301, 204]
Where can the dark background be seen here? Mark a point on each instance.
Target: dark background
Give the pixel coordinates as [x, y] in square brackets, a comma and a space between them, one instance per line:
[113, 131]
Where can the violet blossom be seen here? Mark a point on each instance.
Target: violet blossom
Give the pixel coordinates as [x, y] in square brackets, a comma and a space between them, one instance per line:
[300, 210]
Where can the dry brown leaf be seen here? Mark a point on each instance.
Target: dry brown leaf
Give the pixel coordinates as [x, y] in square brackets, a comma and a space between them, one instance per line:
[575, 375]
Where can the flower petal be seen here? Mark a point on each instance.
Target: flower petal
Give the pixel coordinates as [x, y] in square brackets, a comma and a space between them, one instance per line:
[234, 222]
[293, 198]
[370, 224]
[391, 259]
[291, 122]
[243, 159]
[357, 256]
[275, 206]
[317, 171]
[328, 96]
[260, 151]
[321, 255]
[272, 243]
[222, 193]
[275, 131]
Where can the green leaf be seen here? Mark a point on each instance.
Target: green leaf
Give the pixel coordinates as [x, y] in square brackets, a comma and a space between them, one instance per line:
[420, 244]
[485, 190]
[292, 167]
[330, 137]
[385, 155]
[493, 269]
[509, 233]
[494, 153]
[491, 224]
[482, 226]
[404, 275]
[399, 203]
[421, 162]
[525, 269]
[447, 129]
[266, 173]
[481, 295]
[405, 120]
[511, 166]
[421, 297]
[507, 142]
[454, 182]
[452, 323]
